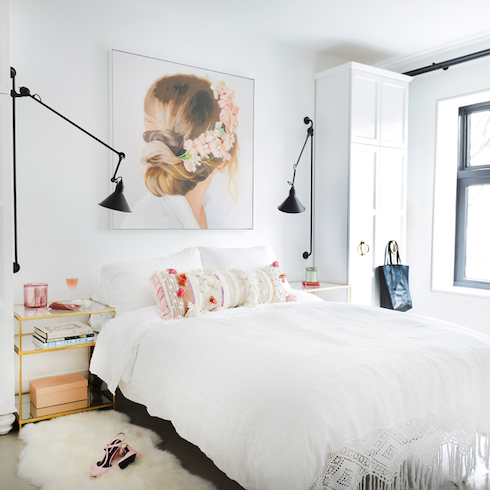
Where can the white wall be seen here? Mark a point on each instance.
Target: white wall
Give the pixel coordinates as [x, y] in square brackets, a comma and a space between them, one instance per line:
[425, 90]
[61, 50]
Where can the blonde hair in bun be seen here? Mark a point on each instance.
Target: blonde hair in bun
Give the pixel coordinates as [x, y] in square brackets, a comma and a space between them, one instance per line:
[178, 108]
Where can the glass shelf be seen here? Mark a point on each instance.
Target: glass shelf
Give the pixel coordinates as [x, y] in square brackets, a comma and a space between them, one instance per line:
[96, 398]
[22, 313]
[30, 347]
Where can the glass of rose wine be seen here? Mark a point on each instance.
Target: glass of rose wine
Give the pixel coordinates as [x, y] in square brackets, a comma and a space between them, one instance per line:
[72, 282]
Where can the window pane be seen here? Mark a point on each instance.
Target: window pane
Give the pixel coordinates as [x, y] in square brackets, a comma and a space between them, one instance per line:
[479, 139]
[478, 233]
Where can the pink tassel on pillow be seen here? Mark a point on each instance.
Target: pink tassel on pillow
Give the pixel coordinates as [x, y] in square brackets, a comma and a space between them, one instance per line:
[159, 294]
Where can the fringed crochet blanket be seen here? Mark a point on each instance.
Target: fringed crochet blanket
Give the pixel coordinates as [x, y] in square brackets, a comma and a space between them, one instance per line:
[310, 396]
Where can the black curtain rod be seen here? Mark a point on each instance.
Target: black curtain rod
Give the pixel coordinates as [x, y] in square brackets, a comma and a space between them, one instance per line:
[444, 65]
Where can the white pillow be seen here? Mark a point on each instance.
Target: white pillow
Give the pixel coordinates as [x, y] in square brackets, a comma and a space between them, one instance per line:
[126, 285]
[232, 258]
[247, 258]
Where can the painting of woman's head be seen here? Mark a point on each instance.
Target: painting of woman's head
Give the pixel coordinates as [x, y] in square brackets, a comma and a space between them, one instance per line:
[188, 138]
[184, 146]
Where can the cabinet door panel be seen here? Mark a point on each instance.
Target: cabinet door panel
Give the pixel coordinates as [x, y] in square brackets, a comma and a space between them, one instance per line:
[365, 108]
[391, 200]
[394, 107]
[361, 226]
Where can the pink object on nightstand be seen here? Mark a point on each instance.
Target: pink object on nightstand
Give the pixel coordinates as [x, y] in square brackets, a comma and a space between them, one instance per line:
[35, 295]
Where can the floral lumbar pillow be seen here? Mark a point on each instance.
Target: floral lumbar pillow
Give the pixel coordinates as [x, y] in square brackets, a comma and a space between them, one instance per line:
[203, 290]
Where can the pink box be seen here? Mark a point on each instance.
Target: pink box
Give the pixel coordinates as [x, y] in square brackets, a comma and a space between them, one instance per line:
[36, 295]
[64, 407]
[47, 392]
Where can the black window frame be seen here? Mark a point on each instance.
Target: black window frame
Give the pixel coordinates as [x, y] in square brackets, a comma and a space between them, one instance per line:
[466, 177]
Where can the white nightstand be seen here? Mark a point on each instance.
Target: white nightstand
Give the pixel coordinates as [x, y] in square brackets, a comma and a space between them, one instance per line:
[324, 286]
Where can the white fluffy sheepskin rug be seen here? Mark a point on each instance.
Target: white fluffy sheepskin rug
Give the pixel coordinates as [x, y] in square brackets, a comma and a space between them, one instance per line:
[60, 453]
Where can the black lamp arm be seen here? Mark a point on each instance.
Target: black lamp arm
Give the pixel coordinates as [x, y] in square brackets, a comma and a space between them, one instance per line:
[25, 92]
[309, 134]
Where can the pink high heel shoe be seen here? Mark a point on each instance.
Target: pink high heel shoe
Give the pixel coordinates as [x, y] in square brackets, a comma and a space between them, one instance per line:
[112, 450]
[128, 455]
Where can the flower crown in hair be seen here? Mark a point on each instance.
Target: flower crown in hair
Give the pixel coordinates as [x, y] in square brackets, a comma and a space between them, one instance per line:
[218, 142]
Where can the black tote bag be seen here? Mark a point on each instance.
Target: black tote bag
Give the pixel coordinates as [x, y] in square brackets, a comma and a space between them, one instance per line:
[393, 281]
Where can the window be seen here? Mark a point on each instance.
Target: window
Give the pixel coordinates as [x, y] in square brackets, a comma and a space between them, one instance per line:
[458, 268]
[472, 257]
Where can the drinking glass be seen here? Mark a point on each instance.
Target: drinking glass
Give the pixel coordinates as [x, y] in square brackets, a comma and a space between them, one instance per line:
[72, 282]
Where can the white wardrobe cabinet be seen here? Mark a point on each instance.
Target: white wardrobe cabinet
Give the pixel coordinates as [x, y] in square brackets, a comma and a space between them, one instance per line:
[360, 168]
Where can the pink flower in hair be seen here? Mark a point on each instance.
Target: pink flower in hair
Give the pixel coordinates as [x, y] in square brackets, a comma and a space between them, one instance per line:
[229, 119]
[202, 146]
[216, 148]
[192, 163]
[190, 146]
[192, 158]
[180, 292]
[228, 141]
[218, 142]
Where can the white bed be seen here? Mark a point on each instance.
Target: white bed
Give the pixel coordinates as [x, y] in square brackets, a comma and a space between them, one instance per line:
[307, 395]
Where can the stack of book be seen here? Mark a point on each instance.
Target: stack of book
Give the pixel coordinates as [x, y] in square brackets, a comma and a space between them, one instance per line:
[63, 334]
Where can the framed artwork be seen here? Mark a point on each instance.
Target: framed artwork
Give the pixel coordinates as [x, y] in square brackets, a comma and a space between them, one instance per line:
[187, 134]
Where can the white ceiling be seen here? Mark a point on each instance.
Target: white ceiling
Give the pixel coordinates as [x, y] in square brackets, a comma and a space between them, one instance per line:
[367, 31]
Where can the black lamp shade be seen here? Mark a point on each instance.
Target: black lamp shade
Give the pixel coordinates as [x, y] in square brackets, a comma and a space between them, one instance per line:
[291, 204]
[116, 200]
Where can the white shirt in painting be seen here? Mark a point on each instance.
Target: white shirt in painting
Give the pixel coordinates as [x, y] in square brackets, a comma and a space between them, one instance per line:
[171, 212]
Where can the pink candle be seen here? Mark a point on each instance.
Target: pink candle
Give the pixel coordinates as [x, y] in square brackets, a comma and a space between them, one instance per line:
[35, 295]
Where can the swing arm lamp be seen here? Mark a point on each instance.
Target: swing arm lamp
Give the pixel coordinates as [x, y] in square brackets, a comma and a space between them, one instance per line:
[115, 201]
[292, 203]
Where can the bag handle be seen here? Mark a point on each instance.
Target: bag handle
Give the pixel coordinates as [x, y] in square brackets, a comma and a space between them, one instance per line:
[392, 248]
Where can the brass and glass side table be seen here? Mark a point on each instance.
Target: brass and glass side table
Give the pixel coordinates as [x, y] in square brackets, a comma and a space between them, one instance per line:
[324, 286]
[97, 395]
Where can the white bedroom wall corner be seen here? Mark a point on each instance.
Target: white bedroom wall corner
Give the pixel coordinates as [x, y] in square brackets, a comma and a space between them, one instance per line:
[7, 397]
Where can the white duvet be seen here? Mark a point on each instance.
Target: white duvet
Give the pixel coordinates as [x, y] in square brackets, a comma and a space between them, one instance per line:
[270, 393]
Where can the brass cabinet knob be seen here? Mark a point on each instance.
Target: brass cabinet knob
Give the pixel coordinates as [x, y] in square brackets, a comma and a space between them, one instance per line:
[363, 248]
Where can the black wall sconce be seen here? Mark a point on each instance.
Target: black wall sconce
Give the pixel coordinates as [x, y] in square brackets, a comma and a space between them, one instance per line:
[115, 201]
[292, 203]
